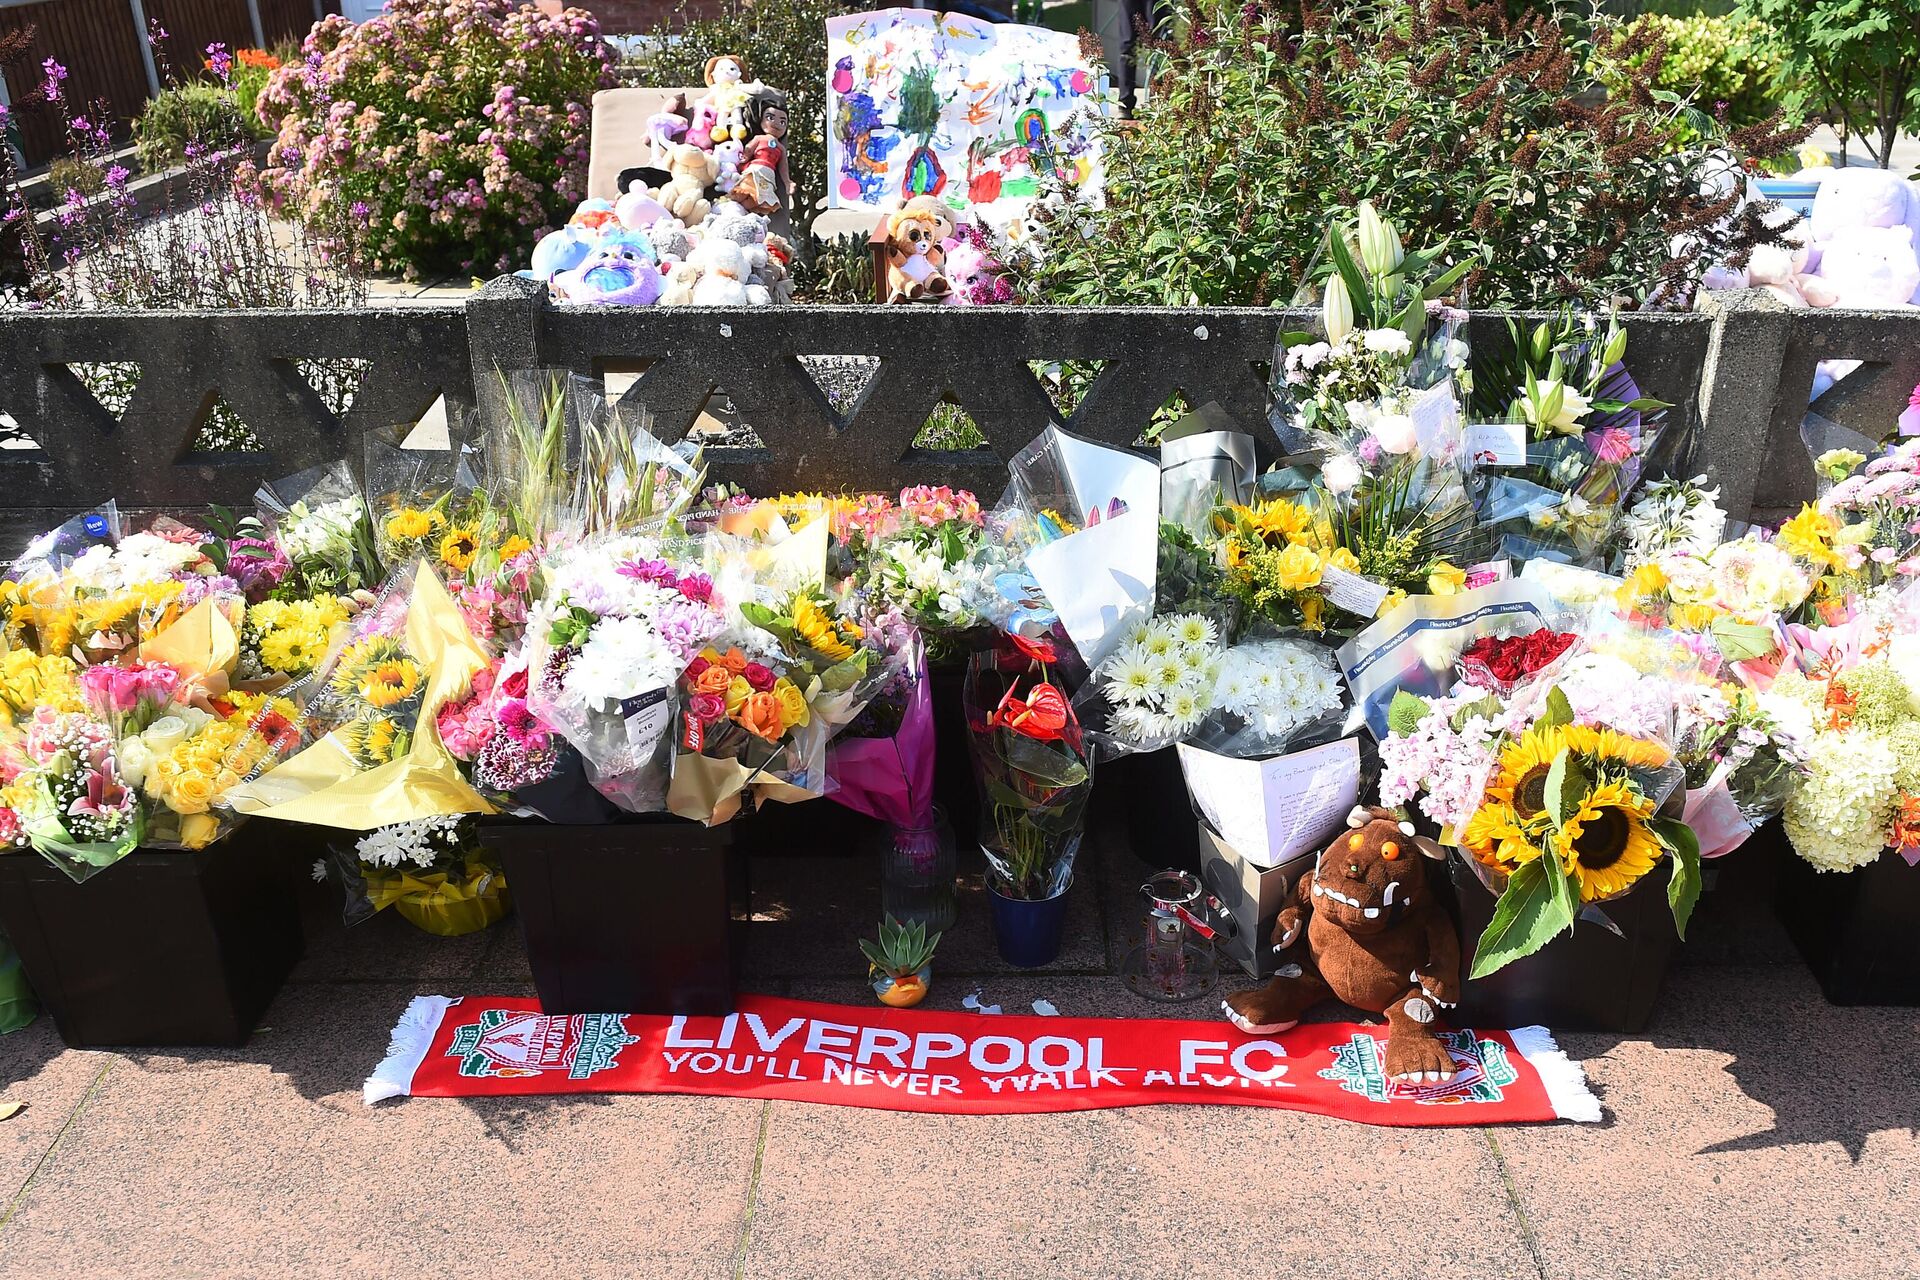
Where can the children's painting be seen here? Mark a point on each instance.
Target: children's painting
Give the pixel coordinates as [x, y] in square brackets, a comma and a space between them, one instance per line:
[982, 115]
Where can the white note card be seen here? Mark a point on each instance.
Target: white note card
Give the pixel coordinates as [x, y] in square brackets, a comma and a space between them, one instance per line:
[1271, 810]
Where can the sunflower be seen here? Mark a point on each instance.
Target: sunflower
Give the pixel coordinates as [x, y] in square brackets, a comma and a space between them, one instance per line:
[1280, 519]
[1521, 780]
[376, 741]
[1605, 844]
[1495, 836]
[513, 546]
[410, 524]
[458, 547]
[1609, 747]
[385, 684]
[811, 624]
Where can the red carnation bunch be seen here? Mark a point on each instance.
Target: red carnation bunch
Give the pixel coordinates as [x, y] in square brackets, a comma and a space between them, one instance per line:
[1499, 665]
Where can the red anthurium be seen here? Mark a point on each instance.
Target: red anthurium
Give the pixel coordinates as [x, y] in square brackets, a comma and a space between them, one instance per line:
[1040, 648]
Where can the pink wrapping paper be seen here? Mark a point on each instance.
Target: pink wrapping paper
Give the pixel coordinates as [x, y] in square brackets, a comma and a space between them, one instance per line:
[890, 779]
[1716, 820]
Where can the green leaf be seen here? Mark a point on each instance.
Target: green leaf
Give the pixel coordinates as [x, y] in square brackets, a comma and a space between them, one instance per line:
[1739, 641]
[1444, 284]
[1683, 887]
[1526, 918]
[1046, 763]
[1647, 403]
[1567, 784]
[1405, 713]
[1559, 711]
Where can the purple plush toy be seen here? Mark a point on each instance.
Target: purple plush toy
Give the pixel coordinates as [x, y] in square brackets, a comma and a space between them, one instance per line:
[621, 271]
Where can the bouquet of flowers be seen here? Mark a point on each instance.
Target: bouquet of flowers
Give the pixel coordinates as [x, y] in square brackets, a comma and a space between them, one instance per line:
[622, 618]
[1856, 713]
[1735, 595]
[927, 557]
[1742, 763]
[313, 536]
[367, 752]
[110, 597]
[64, 793]
[1033, 768]
[423, 503]
[745, 720]
[434, 871]
[1157, 687]
[1562, 440]
[881, 764]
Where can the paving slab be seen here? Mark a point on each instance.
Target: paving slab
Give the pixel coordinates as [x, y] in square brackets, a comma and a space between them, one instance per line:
[263, 1161]
[1754, 1130]
[37, 1069]
[1138, 1192]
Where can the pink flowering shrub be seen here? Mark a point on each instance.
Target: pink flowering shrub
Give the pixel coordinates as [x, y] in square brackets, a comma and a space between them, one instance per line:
[442, 136]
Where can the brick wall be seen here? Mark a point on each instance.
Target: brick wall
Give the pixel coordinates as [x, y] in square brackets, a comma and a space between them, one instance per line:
[630, 17]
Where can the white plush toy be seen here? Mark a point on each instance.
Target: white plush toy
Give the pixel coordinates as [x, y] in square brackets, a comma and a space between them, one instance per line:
[726, 157]
[1864, 225]
[714, 275]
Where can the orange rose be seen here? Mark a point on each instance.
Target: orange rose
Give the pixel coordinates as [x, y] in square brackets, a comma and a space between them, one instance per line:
[734, 661]
[760, 715]
[714, 679]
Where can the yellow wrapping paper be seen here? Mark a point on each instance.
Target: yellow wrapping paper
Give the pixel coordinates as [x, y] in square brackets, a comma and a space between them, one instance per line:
[324, 786]
[202, 645]
[708, 791]
[440, 904]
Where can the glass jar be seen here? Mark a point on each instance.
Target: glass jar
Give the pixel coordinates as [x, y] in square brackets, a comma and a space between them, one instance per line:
[916, 875]
[1175, 961]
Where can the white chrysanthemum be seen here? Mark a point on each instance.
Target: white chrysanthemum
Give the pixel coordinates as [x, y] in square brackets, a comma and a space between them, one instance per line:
[1195, 629]
[1168, 671]
[1184, 709]
[1130, 678]
[1134, 722]
[622, 657]
[1157, 643]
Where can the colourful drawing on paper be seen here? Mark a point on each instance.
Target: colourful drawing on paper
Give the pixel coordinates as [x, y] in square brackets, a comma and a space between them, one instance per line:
[980, 114]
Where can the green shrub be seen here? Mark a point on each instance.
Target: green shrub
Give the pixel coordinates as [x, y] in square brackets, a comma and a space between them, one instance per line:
[184, 113]
[1716, 60]
[1464, 126]
[784, 43]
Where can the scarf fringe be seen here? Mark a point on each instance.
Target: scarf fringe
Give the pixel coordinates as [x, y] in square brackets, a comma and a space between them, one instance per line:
[406, 1050]
[1565, 1082]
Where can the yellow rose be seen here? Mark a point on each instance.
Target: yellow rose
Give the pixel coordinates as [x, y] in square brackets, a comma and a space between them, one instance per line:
[1341, 558]
[793, 703]
[1296, 569]
[737, 691]
[192, 793]
[198, 829]
[1446, 580]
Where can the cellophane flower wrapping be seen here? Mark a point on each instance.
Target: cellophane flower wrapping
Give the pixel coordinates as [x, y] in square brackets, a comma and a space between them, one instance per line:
[366, 751]
[318, 523]
[436, 872]
[1034, 768]
[881, 763]
[420, 498]
[929, 556]
[624, 615]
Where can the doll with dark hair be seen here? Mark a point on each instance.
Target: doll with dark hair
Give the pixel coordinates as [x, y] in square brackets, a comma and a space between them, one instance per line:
[765, 185]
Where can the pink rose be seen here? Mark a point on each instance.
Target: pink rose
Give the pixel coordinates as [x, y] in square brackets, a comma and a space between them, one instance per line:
[758, 676]
[706, 707]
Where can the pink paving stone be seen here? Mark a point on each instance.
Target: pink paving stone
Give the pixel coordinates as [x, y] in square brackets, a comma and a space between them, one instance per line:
[1754, 1130]
[40, 1071]
[265, 1162]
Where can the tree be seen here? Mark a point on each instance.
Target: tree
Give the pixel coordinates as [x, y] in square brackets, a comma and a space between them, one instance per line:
[1857, 60]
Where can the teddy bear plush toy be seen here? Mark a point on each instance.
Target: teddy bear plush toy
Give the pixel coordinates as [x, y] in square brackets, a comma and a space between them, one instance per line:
[1373, 937]
[685, 194]
[714, 275]
[915, 255]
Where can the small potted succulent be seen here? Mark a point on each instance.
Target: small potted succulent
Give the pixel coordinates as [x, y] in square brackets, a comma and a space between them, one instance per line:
[900, 965]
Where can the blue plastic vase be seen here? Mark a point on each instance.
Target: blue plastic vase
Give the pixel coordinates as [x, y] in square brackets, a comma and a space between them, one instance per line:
[1028, 932]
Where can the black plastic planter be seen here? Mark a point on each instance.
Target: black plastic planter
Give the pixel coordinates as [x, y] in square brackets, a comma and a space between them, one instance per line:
[1859, 930]
[1589, 980]
[634, 916]
[165, 947]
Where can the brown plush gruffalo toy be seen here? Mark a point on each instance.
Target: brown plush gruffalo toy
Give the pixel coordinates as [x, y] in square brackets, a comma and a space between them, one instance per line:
[1375, 939]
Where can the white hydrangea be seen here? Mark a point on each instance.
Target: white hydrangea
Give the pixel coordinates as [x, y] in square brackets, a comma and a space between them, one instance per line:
[1838, 818]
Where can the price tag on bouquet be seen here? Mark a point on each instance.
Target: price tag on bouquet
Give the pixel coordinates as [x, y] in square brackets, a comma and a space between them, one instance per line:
[647, 717]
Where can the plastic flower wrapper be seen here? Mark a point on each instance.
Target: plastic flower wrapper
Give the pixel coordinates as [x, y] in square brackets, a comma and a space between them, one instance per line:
[881, 762]
[1854, 705]
[1205, 460]
[1428, 645]
[1381, 364]
[1033, 767]
[1266, 768]
[65, 794]
[421, 500]
[101, 602]
[435, 872]
[746, 721]
[1155, 689]
[1084, 520]
[368, 752]
[1861, 534]
[929, 557]
[1736, 595]
[187, 758]
[1560, 439]
[316, 524]
[623, 616]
